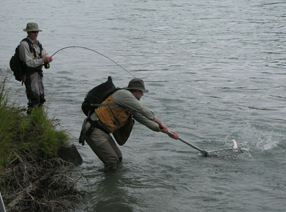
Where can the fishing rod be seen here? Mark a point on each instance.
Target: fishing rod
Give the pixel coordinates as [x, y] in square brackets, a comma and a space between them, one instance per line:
[82, 47]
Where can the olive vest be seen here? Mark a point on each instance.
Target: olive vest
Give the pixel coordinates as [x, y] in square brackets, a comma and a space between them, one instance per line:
[115, 119]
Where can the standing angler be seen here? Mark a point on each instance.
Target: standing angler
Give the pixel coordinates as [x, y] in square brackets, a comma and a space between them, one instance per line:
[116, 116]
[33, 57]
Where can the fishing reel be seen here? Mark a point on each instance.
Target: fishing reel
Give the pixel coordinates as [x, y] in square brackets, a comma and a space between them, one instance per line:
[46, 65]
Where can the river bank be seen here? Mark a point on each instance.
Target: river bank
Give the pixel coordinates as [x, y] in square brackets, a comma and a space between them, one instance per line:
[32, 175]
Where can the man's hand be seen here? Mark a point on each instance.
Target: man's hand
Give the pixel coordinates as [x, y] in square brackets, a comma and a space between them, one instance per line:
[47, 59]
[162, 127]
[173, 134]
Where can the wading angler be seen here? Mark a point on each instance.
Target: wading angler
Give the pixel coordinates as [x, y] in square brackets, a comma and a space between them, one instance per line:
[27, 64]
[114, 115]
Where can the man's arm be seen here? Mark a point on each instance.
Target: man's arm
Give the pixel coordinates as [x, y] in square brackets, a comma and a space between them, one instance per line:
[27, 57]
[125, 98]
[141, 113]
[152, 125]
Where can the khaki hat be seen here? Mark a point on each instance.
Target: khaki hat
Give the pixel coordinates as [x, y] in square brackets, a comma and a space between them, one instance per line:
[136, 84]
[32, 27]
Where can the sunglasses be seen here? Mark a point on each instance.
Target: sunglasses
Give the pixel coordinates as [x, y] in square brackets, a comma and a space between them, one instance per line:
[35, 31]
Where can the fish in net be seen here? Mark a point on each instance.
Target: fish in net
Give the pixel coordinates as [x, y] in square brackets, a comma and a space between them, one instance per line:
[228, 153]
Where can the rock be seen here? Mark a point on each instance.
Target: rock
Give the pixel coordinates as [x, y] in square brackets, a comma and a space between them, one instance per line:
[70, 154]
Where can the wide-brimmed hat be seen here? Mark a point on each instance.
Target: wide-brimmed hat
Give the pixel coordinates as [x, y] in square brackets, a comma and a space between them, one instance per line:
[136, 84]
[32, 27]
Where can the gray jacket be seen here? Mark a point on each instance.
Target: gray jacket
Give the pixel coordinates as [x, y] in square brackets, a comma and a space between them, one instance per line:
[28, 58]
[140, 113]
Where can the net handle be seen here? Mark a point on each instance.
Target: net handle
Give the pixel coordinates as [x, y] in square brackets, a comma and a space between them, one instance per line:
[203, 152]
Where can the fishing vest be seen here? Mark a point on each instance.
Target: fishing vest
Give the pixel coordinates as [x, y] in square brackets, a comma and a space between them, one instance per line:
[34, 55]
[113, 117]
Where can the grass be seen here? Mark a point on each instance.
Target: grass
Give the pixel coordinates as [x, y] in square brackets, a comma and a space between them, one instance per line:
[32, 176]
[20, 133]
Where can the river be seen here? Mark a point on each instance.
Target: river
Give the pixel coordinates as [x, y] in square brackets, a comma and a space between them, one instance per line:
[215, 69]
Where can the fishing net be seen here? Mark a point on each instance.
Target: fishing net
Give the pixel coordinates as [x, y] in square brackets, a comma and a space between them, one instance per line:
[228, 153]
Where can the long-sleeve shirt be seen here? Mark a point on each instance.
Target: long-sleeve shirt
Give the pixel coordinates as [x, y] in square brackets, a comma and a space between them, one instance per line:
[28, 58]
[141, 113]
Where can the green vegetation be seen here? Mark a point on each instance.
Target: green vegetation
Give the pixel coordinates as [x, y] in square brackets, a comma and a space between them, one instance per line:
[21, 133]
[32, 176]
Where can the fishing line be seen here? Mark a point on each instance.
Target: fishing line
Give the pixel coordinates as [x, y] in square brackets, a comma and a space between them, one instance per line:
[68, 47]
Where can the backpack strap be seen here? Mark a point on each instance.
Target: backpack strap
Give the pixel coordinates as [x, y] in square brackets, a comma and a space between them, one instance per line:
[109, 105]
[41, 48]
[93, 125]
[32, 49]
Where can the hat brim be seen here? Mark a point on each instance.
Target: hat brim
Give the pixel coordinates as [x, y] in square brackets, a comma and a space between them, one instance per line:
[31, 30]
[140, 89]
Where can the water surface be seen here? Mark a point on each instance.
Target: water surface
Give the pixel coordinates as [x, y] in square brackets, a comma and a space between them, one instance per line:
[215, 69]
